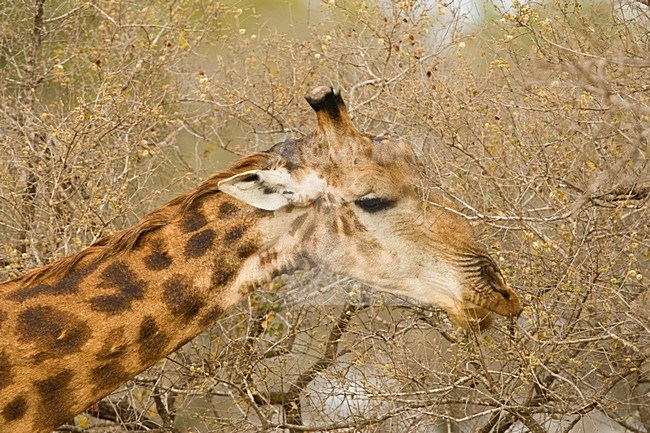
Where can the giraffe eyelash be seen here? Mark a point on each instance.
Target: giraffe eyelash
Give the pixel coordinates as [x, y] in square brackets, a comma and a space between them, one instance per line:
[372, 204]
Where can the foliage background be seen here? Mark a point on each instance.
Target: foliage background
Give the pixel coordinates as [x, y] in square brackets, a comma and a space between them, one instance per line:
[534, 116]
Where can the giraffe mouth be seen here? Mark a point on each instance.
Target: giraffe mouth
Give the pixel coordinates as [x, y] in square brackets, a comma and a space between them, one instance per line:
[500, 300]
[486, 286]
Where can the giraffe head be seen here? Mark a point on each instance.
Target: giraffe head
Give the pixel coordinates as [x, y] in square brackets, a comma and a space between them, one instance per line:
[352, 202]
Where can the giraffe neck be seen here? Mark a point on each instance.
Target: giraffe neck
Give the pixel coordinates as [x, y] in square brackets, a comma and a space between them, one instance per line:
[83, 328]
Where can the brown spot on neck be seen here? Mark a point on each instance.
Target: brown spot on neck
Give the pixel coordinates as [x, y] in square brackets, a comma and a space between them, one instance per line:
[159, 258]
[227, 210]
[152, 341]
[224, 271]
[108, 376]
[128, 289]
[15, 409]
[55, 394]
[246, 249]
[52, 332]
[69, 284]
[193, 219]
[233, 234]
[199, 243]
[181, 298]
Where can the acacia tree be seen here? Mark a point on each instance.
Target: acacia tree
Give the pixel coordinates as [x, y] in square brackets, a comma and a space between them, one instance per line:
[89, 113]
[536, 122]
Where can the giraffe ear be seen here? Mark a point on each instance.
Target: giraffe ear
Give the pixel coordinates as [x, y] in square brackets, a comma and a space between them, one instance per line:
[273, 189]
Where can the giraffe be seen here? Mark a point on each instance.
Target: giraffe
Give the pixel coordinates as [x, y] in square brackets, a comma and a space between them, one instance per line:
[76, 329]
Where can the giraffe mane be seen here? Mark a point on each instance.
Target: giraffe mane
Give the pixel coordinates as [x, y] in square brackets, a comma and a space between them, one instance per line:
[125, 240]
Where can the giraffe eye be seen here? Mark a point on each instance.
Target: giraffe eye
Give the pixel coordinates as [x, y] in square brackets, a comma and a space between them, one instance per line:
[374, 204]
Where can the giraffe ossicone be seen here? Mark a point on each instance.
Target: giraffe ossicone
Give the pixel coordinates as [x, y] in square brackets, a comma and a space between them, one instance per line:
[76, 329]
